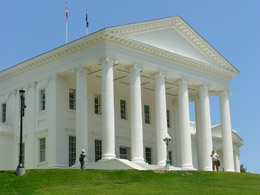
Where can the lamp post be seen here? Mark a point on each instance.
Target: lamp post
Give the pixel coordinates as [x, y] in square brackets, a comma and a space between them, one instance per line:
[167, 138]
[20, 168]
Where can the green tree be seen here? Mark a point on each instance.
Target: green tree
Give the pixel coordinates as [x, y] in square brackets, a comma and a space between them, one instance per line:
[243, 169]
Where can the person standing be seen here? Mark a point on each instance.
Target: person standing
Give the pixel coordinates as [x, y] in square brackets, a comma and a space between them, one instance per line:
[214, 157]
[81, 159]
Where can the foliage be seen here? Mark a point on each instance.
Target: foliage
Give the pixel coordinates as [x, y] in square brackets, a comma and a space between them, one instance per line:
[69, 181]
[243, 169]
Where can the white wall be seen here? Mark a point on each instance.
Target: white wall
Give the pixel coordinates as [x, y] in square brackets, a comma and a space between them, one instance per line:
[7, 152]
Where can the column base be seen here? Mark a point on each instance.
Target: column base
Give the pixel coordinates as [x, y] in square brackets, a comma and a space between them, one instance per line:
[138, 161]
[187, 167]
[229, 170]
[20, 171]
[161, 163]
[207, 169]
[108, 156]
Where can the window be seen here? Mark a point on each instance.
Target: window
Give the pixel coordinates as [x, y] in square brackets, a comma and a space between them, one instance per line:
[72, 99]
[98, 150]
[3, 112]
[123, 153]
[170, 157]
[23, 155]
[148, 155]
[72, 150]
[168, 118]
[147, 114]
[123, 109]
[98, 104]
[42, 149]
[42, 100]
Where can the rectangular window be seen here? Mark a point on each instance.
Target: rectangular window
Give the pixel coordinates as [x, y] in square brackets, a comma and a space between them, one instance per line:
[98, 150]
[42, 149]
[72, 99]
[123, 153]
[147, 114]
[72, 150]
[23, 155]
[3, 112]
[42, 100]
[148, 155]
[123, 109]
[170, 157]
[168, 118]
[97, 104]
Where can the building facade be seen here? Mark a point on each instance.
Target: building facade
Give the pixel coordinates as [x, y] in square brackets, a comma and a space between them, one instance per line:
[117, 93]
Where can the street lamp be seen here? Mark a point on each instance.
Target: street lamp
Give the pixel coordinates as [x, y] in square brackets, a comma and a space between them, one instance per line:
[20, 168]
[167, 138]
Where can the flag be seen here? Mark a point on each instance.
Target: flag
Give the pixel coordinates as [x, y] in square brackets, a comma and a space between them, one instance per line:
[67, 14]
[87, 19]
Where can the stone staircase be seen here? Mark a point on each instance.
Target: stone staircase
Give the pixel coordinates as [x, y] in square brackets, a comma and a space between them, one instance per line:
[123, 164]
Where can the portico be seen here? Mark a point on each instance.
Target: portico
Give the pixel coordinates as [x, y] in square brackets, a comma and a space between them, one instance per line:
[115, 72]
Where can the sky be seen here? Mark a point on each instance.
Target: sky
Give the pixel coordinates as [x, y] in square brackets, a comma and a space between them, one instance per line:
[29, 28]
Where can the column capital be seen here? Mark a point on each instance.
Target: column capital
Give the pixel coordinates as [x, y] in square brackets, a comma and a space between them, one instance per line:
[81, 69]
[225, 92]
[31, 84]
[136, 66]
[205, 86]
[12, 92]
[161, 74]
[52, 77]
[184, 80]
[108, 59]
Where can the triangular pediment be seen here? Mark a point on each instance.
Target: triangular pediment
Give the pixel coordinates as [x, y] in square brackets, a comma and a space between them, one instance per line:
[170, 40]
[173, 35]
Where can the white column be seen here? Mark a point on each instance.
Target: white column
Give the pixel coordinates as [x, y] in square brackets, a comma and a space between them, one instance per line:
[237, 161]
[108, 118]
[226, 132]
[198, 133]
[206, 137]
[137, 149]
[160, 118]
[184, 125]
[81, 111]
[177, 133]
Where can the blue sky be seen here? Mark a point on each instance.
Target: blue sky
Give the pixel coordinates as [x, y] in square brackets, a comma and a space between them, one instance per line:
[232, 27]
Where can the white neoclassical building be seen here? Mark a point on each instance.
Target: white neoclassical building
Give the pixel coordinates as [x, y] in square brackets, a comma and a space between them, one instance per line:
[117, 93]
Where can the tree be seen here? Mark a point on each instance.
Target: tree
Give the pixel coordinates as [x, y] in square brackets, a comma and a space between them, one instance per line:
[243, 169]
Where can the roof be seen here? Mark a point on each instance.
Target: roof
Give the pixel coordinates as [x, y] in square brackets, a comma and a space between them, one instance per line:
[156, 37]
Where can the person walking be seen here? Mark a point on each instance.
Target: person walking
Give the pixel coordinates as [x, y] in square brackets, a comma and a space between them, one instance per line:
[214, 157]
[81, 159]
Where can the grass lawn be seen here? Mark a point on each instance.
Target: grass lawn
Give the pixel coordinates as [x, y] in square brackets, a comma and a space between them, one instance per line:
[71, 181]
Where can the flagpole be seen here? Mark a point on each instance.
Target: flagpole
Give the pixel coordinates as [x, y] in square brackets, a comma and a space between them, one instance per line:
[66, 23]
[87, 21]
